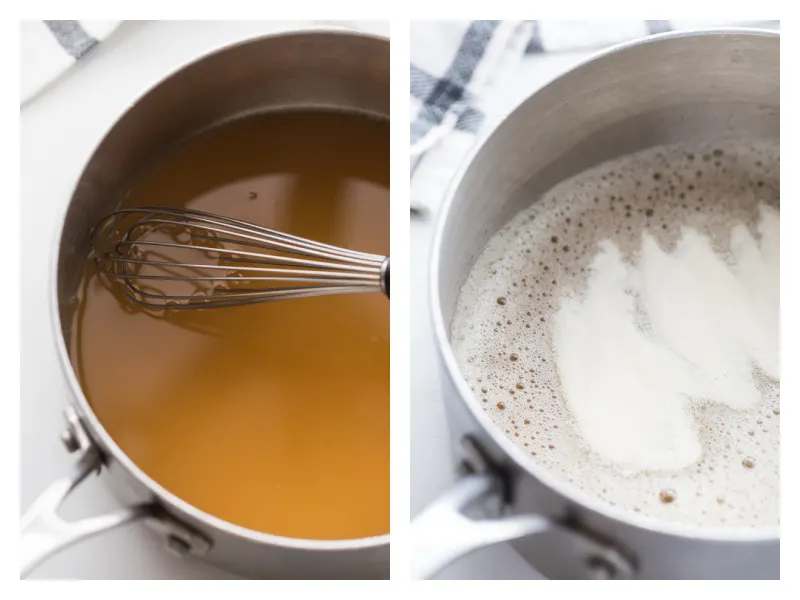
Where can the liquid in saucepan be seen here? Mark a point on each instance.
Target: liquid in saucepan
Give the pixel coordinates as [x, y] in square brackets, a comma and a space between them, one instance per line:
[623, 332]
[274, 417]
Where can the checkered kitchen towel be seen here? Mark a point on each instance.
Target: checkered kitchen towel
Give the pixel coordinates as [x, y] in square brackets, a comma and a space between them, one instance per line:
[50, 47]
[457, 65]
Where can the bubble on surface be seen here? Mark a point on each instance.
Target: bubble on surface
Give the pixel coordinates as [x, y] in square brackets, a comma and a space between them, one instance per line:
[663, 190]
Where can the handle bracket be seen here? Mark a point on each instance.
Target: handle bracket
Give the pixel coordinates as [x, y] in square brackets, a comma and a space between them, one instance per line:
[44, 532]
[442, 532]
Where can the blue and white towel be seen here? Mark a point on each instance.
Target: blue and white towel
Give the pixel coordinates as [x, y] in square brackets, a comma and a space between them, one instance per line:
[457, 65]
[49, 48]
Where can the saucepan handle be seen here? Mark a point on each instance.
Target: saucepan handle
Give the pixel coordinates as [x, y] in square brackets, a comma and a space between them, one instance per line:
[442, 533]
[44, 532]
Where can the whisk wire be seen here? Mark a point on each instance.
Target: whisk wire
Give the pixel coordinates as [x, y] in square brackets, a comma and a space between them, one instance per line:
[243, 263]
[188, 216]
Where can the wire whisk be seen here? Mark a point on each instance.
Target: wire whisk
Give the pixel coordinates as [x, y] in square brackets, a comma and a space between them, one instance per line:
[179, 258]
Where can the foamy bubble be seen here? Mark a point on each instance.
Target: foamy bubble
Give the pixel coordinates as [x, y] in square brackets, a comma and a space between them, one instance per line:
[728, 194]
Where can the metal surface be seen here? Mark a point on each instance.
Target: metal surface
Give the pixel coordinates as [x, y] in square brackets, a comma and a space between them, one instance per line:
[44, 532]
[316, 68]
[671, 88]
[442, 533]
[218, 261]
[74, 436]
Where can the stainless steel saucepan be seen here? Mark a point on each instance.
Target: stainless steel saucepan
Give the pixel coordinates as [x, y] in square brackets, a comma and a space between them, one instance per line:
[322, 67]
[666, 89]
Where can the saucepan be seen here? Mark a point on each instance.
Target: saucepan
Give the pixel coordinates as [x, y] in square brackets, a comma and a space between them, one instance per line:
[321, 67]
[666, 89]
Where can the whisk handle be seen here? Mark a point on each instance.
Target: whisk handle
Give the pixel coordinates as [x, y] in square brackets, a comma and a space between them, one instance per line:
[385, 277]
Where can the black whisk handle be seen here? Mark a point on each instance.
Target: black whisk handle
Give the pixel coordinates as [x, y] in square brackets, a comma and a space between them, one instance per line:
[385, 277]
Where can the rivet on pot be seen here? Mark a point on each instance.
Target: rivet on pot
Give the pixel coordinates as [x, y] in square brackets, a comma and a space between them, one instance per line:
[178, 546]
[70, 440]
[600, 567]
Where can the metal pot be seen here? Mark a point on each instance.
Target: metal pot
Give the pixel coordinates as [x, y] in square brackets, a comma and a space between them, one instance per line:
[661, 90]
[320, 67]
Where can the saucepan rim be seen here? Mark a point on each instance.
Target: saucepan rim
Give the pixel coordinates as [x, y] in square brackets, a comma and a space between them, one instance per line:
[453, 371]
[99, 434]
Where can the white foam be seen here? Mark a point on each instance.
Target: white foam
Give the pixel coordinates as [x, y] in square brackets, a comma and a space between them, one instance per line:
[626, 392]
[627, 371]
[655, 278]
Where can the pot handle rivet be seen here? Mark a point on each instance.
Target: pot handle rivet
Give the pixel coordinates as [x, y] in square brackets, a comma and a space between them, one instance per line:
[600, 568]
[74, 437]
[177, 546]
[69, 441]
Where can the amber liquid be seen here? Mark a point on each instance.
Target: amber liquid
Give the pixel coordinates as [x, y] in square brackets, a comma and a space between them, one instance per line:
[274, 417]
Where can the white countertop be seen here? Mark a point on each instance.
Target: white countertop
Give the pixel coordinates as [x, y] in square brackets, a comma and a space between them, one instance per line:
[58, 131]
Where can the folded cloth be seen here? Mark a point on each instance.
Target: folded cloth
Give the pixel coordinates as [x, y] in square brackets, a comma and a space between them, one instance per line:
[49, 48]
[456, 66]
